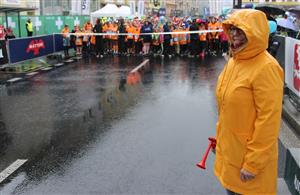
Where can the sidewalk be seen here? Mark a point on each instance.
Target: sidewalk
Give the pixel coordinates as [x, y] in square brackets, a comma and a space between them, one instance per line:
[27, 69]
[289, 147]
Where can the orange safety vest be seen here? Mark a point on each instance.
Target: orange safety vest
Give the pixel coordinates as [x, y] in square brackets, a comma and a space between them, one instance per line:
[65, 32]
[110, 30]
[202, 36]
[104, 30]
[183, 38]
[214, 26]
[131, 31]
[137, 34]
[175, 37]
[78, 38]
[86, 37]
[114, 29]
[93, 40]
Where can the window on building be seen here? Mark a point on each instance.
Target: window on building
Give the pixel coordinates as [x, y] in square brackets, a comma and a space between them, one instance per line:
[66, 4]
[48, 3]
[52, 3]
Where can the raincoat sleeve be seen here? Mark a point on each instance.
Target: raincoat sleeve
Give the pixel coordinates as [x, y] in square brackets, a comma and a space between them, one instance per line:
[267, 91]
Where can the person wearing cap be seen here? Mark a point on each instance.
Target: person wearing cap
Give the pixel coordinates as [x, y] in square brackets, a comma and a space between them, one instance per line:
[249, 97]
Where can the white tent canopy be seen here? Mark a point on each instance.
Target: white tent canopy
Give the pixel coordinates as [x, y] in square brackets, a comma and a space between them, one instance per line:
[110, 10]
[124, 11]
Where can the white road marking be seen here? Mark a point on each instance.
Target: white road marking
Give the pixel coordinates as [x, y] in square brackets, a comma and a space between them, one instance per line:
[59, 64]
[14, 79]
[68, 61]
[139, 66]
[11, 169]
[45, 69]
[32, 74]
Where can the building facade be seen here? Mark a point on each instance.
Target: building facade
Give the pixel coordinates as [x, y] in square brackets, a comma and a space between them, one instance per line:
[150, 7]
[189, 8]
[74, 7]
[22, 4]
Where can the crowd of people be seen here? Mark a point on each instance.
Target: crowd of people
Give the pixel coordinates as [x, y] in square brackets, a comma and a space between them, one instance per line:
[125, 37]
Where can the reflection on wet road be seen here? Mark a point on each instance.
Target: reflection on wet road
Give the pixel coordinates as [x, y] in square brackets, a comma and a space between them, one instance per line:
[93, 127]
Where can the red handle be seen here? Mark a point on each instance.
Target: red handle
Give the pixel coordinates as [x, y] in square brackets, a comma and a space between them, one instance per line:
[212, 144]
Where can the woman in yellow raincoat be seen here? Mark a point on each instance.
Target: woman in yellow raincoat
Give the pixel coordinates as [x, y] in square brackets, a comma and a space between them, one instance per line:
[249, 95]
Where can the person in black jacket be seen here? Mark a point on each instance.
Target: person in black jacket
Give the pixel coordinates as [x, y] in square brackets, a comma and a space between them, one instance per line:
[121, 38]
[146, 28]
[73, 39]
[99, 38]
[167, 40]
[194, 37]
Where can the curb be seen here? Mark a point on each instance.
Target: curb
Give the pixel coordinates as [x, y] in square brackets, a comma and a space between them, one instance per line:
[292, 172]
[23, 77]
[291, 115]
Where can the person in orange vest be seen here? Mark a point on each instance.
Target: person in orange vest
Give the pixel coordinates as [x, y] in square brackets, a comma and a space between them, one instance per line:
[130, 39]
[213, 37]
[137, 40]
[203, 41]
[175, 38]
[78, 40]
[156, 41]
[66, 40]
[183, 40]
[109, 37]
[114, 38]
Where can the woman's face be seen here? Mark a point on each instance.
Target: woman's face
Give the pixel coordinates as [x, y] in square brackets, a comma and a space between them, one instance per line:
[237, 37]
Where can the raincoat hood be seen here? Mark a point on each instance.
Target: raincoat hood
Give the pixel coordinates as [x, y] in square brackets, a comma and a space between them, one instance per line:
[255, 25]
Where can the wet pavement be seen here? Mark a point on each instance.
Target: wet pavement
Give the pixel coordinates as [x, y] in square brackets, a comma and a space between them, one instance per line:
[84, 130]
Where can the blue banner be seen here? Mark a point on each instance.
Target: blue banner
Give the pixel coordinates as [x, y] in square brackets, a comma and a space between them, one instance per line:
[58, 42]
[29, 48]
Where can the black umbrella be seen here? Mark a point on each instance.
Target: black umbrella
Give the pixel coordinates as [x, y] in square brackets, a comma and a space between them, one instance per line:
[271, 9]
[295, 10]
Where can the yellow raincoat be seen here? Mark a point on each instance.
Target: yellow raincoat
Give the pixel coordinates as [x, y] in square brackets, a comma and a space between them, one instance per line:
[249, 95]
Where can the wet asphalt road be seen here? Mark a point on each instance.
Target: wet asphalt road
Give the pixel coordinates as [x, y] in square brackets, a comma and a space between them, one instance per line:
[85, 131]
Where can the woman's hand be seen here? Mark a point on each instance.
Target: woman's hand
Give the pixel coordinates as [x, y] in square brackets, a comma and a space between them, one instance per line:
[246, 176]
